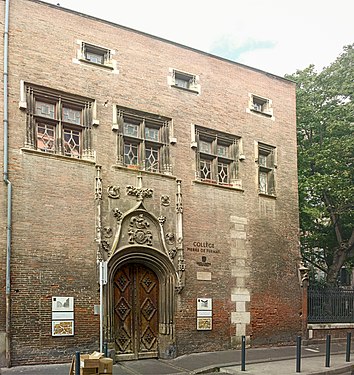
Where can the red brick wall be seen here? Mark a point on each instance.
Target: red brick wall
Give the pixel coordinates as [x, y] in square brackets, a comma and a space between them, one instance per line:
[54, 252]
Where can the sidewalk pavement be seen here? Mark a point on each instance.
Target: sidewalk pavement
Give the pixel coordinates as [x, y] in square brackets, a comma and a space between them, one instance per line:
[259, 361]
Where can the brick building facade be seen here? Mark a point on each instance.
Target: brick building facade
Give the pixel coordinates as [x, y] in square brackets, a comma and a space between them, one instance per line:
[173, 167]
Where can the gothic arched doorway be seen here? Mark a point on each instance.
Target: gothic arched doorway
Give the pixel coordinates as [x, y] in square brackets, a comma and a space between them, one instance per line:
[135, 305]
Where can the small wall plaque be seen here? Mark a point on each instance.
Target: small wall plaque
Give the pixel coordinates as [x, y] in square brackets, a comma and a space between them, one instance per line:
[202, 314]
[62, 328]
[204, 304]
[62, 304]
[66, 315]
[204, 324]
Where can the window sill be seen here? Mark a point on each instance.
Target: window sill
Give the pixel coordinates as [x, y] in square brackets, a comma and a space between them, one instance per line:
[184, 89]
[228, 187]
[138, 170]
[266, 114]
[272, 196]
[56, 156]
[105, 66]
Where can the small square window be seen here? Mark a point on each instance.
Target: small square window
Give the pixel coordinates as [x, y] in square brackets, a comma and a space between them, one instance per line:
[182, 81]
[95, 54]
[260, 105]
[185, 81]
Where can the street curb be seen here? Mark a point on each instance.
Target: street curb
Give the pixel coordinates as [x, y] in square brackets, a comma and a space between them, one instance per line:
[336, 371]
[216, 367]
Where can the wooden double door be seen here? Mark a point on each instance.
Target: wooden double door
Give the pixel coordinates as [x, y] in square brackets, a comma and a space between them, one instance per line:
[136, 296]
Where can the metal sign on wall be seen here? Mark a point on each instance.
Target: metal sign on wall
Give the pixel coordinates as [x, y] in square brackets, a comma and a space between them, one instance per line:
[62, 316]
[204, 314]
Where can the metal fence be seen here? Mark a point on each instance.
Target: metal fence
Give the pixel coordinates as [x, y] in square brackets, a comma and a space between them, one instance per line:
[330, 305]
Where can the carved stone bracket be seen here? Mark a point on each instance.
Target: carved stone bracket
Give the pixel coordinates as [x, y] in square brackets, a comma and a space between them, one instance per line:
[140, 193]
[165, 200]
[113, 192]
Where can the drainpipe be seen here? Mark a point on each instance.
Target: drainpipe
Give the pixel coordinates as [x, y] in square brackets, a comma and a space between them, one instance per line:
[8, 184]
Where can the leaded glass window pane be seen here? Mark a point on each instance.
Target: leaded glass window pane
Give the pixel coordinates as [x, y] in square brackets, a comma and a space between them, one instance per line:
[222, 150]
[131, 129]
[72, 115]
[45, 109]
[152, 159]
[46, 137]
[152, 134]
[205, 169]
[223, 173]
[205, 147]
[262, 160]
[263, 182]
[72, 143]
[130, 154]
[94, 57]
[181, 82]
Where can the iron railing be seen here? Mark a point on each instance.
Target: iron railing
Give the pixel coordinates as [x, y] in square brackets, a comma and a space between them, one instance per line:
[330, 305]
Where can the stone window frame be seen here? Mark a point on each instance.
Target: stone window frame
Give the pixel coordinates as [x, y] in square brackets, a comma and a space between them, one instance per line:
[260, 105]
[231, 144]
[141, 142]
[184, 80]
[266, 160]
[84, 48]
[60, 127]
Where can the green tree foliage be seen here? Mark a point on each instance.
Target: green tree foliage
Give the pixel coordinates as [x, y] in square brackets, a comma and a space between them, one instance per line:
[325, 122]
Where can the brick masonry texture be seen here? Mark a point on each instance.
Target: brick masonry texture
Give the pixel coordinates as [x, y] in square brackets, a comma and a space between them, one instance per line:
[54, 252]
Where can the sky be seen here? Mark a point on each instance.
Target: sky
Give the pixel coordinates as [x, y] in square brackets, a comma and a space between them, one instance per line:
[277, 36]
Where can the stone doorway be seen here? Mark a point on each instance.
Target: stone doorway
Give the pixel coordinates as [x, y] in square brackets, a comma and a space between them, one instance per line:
[135, 305]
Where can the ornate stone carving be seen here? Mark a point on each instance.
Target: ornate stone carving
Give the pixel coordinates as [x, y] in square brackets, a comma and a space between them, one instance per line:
[138, 232]
[179, 205]
[117, 214]
[107, 232]
[98, 187]
[172, 252]
[179, 287]
[165, 200]
[105, 245]
[140, 193]
[181, 264]
[162, 220]
[170, 238]
[113, 192]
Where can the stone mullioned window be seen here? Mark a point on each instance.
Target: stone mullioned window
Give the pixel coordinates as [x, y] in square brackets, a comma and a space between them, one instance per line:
[57, 122]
